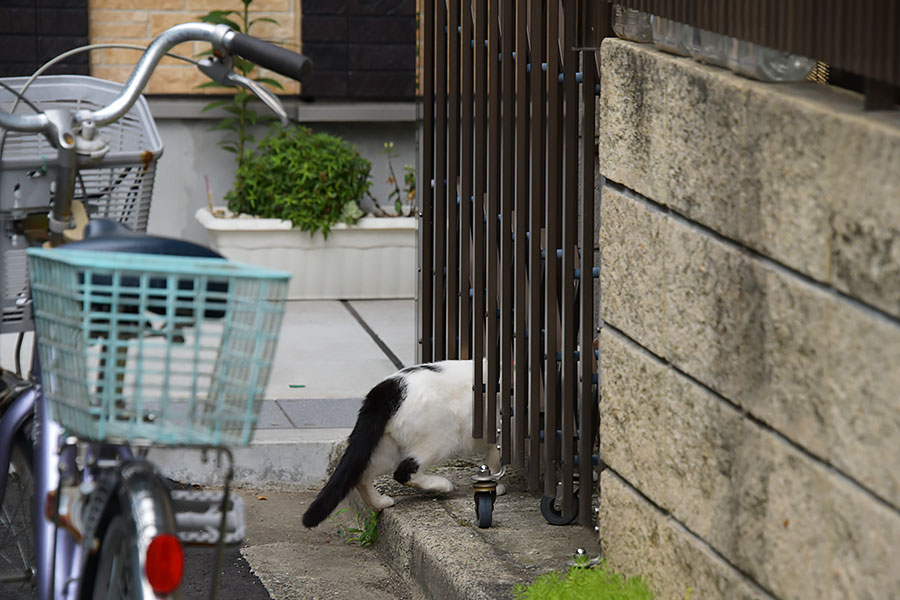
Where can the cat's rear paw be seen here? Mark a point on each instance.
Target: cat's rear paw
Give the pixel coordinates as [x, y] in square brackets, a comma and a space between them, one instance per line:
[432, 483]
[501, 489]
[382, 502]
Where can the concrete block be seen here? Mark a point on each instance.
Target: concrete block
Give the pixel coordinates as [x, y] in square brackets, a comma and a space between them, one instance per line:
[797, 172]
[864, 200]
[793, 524]
[632, 243]
[816, 367]
[638, 539]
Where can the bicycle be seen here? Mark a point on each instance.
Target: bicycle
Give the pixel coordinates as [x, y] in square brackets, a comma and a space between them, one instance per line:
[140, 340]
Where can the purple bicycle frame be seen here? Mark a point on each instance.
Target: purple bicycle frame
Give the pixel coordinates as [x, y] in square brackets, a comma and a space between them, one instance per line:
[57, 556]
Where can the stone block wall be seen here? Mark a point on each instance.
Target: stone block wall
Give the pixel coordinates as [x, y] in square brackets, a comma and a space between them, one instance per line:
[138, 22]
[750, 355]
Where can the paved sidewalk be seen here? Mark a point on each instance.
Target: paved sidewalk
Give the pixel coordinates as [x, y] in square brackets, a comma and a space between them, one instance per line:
[330, 353]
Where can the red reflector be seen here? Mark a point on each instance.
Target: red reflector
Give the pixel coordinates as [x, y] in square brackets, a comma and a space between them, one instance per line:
[165, 563]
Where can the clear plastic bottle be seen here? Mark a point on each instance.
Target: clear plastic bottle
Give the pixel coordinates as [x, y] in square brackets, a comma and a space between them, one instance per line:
[765, 64]
[671, 36]
[707, 47]
[630, 24]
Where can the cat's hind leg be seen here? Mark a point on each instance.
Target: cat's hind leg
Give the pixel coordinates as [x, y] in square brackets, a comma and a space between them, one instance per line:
[409, 473]
[372, 497]
[381, 462]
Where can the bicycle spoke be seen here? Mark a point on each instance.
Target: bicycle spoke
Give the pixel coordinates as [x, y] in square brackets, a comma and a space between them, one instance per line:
[16, 536]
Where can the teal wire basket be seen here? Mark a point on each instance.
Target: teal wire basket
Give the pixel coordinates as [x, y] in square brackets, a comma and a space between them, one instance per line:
[159, 349]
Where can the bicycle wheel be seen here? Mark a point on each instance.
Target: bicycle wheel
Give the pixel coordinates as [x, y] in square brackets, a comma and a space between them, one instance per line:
[115, 576]
[17, 581]
[139, 511]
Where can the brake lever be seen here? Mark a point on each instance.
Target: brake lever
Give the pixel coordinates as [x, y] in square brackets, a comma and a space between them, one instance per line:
[222, 72]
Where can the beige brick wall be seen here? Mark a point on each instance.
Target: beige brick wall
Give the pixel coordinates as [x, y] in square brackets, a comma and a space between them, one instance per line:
[138, 22]
[750, 364]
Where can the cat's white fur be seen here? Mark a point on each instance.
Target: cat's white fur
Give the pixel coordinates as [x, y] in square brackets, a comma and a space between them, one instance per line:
[432, 425]
[412, 420]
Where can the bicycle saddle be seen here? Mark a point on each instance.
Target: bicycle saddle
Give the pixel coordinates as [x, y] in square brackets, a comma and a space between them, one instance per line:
[106, 235]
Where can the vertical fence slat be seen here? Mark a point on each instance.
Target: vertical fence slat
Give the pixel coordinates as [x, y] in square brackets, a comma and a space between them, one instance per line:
[492, 225]
[551, 263]
[440, 184]
[508, 172]
[535, 266]
[478, 216]
[426, 184]
[569, 246]
[465, 183]
[453, 197]
[520, 419]
[587, 397]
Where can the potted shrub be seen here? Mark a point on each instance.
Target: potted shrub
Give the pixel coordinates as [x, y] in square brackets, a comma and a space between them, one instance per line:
[295, 207]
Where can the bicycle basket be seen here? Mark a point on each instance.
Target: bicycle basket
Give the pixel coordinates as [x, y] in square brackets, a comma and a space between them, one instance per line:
[120, 189]
[163, 349]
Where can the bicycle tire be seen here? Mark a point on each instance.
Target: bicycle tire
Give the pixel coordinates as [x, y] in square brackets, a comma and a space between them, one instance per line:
[139, 510]
[17, 580]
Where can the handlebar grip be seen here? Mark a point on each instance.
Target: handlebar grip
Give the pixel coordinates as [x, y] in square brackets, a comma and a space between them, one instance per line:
[272, 57]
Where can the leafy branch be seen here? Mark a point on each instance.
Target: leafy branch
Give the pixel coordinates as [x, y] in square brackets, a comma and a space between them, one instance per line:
[237, 126]
[408, 194]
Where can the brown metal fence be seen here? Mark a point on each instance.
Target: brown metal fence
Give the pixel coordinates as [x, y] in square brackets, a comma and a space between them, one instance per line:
[507, 234]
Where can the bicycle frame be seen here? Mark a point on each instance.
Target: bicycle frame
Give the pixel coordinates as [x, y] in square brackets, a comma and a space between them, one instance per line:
[60, 558]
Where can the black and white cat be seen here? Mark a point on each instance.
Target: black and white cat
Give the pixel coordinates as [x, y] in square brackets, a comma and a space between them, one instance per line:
[412, 420]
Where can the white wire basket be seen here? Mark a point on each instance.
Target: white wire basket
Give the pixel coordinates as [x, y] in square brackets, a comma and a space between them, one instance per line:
[120, 187]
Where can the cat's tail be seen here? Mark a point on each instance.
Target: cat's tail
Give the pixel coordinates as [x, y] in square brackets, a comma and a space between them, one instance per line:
[379, 406]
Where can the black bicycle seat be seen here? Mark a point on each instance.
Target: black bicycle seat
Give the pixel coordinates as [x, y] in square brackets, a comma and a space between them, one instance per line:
[106, 235]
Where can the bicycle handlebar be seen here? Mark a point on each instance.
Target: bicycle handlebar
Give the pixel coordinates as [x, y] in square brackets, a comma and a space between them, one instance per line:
[61, 126]
[275, 58]
[223, 39]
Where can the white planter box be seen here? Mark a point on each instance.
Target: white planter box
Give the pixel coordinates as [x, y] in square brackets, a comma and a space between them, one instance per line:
[376, 258]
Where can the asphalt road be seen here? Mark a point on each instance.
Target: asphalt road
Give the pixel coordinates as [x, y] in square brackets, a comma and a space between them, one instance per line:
[237, 581]
[280, 559]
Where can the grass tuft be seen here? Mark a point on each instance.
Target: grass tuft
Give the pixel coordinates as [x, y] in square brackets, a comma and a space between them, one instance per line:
[366, 532]
[581, 583]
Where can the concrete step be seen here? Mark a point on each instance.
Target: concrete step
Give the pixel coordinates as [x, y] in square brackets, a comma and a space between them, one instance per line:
[434, 539]
[281, 458]
[291, 447]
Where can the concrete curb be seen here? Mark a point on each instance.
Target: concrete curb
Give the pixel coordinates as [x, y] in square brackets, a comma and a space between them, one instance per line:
[283, 458]
[444, 559]
[434, 539]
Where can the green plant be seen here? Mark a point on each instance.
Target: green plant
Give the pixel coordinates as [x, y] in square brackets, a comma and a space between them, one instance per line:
[365, 534]
[598, 583]
[242, 117]
[313, 180]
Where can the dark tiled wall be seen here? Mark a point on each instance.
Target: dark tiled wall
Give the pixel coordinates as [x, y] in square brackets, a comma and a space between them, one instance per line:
[34, 31]
[362, 49]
